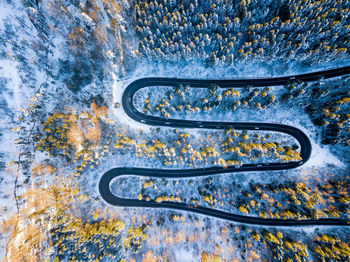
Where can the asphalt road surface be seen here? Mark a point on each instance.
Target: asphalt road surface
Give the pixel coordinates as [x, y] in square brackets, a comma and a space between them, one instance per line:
[305, 148]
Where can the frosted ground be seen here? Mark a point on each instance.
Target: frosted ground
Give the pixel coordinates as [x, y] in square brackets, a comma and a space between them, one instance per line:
[29, 56]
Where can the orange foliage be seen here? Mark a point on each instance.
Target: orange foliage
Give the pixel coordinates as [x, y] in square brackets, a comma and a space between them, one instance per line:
[75, 136]
[93, 133]
[29, 228]
[149, 257]
[38, 169]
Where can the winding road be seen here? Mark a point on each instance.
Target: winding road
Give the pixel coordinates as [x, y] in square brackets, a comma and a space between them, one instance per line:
[305, 148]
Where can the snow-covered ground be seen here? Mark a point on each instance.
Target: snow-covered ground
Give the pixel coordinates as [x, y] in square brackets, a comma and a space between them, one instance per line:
[27, 66]
[131, 186]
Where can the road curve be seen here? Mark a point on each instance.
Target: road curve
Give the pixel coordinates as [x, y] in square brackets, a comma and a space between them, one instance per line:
[305, 147]
[109, 197]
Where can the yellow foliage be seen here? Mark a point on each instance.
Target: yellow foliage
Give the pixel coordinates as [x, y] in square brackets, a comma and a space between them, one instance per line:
[243, 210]
[271, 237]
[136, 235]
[148, 183]
[207, 257]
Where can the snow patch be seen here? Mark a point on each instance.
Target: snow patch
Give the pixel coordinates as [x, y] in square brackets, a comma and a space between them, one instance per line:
[185, 255]
[119, 113]
[321, 156]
